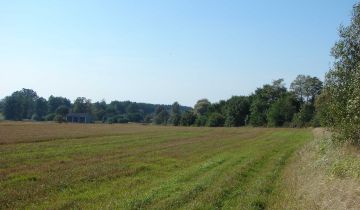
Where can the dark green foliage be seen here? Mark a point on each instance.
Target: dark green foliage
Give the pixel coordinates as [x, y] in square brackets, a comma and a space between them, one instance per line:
[304, 117]
[59, 118]
[175, 115]
[98, 110]
[60, 113]
[118, 119]
[41, 109]
[20, 105]
[236, 110]
[216, 120]
[49, 117]
[161, 115]
[13, 108]
[187, 118]
[55, 102]
[262, 100]
[200, 120]
[282, 110]
[82, 105]
[134, 117]
[2, 102]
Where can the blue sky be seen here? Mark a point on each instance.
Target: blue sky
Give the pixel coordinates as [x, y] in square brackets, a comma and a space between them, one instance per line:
[163, 51]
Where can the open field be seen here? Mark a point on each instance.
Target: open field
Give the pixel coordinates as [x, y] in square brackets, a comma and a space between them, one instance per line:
[67, 166]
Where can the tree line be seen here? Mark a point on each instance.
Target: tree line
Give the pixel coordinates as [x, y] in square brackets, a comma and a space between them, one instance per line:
[271, 105]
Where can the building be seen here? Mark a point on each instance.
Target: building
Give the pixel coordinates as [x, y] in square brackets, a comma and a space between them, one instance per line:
[79, 118]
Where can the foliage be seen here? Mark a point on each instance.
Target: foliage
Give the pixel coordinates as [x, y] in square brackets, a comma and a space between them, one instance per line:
[187, 118]
[282, 110]
[175, 115]
[306, 88]
[161, 115]
[342, 88]
[262, 100]
[61, 113]
[201, 107]
[304, 117]
[200, 120]
[237, 110]
[216, 120]
[55, 102]
[82, 105]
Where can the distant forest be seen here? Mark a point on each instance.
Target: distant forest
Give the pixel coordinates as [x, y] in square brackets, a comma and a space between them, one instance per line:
[271, 105]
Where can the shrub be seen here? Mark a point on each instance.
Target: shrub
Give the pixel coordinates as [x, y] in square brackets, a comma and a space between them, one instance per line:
[216, 120]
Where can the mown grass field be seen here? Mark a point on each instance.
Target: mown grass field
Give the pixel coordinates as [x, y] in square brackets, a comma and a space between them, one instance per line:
[66, 166]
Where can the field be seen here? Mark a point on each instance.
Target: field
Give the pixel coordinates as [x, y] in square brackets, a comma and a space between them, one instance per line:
[66, 166]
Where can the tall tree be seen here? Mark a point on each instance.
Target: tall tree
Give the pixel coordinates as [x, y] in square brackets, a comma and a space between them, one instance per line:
[342, 82]
[55, 102]
[13, 108]
[237, 110]
[262, 100]
[306, 88]
[41, 108]
[201, 107]
[82, 105]
[175, 115]
[161, 115]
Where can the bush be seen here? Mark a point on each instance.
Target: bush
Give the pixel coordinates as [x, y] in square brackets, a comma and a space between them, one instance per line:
[59, 118]
[187, 119]
[117, 119]
[200, 121]
[50, 117]
[216, 120]
[36, 117]
[304, 117]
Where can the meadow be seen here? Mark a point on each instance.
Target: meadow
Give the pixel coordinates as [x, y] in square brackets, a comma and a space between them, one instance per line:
[132, 166]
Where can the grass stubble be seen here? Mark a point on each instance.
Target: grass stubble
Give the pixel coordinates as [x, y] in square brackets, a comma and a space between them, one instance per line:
[66, 166]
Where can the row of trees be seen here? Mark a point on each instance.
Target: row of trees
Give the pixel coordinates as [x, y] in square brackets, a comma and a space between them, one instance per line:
[271, 105]
[26, 104]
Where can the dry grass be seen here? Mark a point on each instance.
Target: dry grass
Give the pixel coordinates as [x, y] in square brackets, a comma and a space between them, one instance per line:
[314, 180]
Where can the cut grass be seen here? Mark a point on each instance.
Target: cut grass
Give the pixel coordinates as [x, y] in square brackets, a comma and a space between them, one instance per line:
[142, 167]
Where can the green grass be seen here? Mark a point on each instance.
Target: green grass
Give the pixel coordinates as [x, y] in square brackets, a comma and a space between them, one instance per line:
[167, 168]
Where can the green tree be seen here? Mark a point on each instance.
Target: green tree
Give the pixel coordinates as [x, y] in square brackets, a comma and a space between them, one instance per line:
[201, 107]
[55, 102]
[13, 108]
[282, 111]
[161, 115]
[82, 105]
[187, 118]
[41, 109]
[306, 88]
[342, 82]
[61, 113]
[262, 100]
[175, 115]
[216, 120]
[236, 111]
[304, 117]
[98, 110]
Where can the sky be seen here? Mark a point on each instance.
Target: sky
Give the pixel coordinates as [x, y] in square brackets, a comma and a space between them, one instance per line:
[161, 51]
